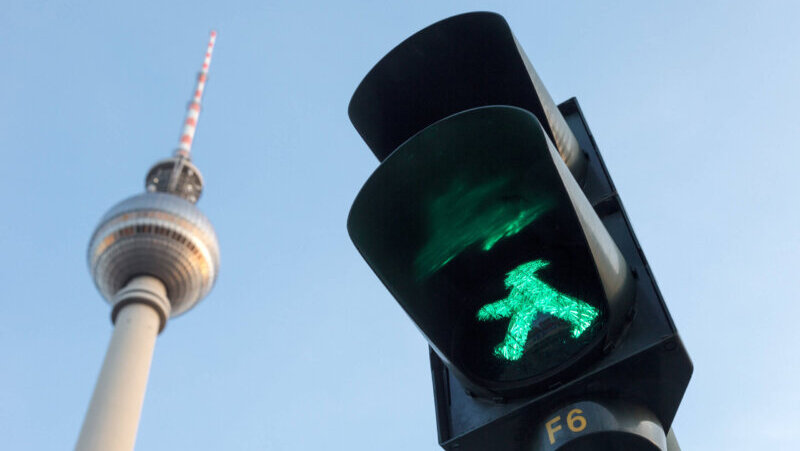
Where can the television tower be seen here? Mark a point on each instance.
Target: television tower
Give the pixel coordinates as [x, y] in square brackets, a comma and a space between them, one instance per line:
[153, 256]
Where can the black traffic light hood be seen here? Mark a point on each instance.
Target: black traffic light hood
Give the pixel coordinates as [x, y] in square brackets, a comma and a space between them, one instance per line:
[462, 62]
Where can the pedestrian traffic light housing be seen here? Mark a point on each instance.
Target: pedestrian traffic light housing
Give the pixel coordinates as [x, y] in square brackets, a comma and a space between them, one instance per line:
[481, 233]
[450, 115]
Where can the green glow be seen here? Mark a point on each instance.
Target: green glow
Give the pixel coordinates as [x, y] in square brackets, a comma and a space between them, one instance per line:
[530, 296]
[513, 227]
[470, 214]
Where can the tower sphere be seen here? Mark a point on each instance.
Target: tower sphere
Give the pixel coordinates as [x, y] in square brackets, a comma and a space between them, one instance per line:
[161, 235]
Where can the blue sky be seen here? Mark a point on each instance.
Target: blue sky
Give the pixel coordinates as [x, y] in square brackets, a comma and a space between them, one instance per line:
[299, 346]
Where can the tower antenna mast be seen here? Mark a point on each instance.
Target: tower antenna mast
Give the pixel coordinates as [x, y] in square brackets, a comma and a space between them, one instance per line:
[184, 150]
[193, 111]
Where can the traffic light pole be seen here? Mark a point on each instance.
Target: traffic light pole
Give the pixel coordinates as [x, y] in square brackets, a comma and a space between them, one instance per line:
[611, 425]
[601, 425]
[672, 442]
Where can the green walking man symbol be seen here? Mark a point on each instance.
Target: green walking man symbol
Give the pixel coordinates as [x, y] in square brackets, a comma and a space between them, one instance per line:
[528, 298]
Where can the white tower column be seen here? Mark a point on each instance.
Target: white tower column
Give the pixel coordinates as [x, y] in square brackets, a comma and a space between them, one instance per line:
[113, 416]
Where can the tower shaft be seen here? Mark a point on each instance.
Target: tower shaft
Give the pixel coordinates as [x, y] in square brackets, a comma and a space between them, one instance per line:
[113, 416]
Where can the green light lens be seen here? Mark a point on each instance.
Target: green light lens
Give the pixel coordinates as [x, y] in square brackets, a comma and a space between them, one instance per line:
[528, 298]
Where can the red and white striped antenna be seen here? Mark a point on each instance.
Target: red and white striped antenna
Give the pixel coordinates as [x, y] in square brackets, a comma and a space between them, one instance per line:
[193, 111]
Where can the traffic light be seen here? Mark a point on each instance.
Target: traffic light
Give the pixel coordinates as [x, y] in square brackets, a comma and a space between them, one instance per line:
[493, 222]
[479, 230]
